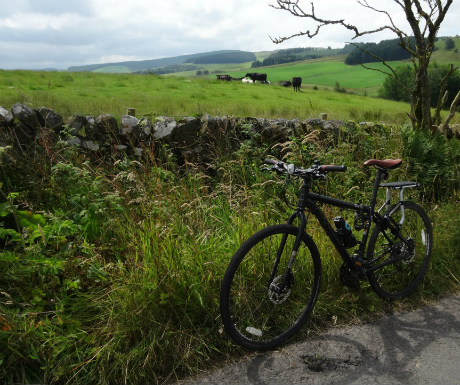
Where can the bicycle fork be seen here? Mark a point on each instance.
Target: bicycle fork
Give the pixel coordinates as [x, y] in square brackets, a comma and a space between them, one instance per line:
[287, 277]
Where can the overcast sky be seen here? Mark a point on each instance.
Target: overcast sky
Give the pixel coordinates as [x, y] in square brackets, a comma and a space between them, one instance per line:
[37, 34]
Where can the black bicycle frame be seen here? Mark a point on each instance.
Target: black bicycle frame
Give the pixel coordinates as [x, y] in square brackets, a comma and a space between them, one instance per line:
[307, 200]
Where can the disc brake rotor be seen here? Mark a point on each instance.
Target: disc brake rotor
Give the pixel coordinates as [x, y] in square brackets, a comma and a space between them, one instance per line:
[276, 295]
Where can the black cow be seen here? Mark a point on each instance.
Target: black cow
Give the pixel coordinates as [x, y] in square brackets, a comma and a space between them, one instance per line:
[296, 83]
[256, 76]
[224, 77]
[285, 83]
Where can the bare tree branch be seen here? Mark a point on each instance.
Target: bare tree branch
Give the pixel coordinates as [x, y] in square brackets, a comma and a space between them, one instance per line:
[442, 97]
[453, 110]
[294, 9]
[424, 18]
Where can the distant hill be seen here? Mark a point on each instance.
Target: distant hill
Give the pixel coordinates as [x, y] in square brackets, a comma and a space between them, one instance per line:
[223, 56]
[227, 59]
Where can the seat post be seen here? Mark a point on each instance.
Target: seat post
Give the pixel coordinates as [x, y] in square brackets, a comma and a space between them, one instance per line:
[381, 174]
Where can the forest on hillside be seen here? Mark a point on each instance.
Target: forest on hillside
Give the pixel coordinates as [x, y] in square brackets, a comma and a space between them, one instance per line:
[388, 50]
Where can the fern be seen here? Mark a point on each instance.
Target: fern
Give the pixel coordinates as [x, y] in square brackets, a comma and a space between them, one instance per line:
[434, 161]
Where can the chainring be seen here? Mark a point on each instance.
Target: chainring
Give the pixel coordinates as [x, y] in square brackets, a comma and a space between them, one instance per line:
[348, 278]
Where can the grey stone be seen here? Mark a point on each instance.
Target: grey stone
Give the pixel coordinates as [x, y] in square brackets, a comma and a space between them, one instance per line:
[52, 120]
[164, 128]
[76, 124]
[90, 145]
[6, 117]
[28, 123]
[128, 124]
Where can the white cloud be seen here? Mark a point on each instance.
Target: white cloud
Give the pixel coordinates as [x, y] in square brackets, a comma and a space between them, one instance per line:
[75, 32]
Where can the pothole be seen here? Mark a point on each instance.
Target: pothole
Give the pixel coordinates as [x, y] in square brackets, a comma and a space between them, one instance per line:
[317, 363]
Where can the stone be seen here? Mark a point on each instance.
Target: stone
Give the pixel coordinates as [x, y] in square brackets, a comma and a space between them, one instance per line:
[89, 145]
[74, 141]
[144, 129]
[6, 117]
[105, 125]
[187, 131]
[28, 123]
[76, 124]
[52, 120]
[128, 124]
[164, 128]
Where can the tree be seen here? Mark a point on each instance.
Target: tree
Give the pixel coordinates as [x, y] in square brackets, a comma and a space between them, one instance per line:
[450, 44]
[398, 89]
[425, 18]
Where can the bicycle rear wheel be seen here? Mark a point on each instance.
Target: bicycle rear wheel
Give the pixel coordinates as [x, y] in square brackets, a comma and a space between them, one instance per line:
[406, 252]
[256, 311]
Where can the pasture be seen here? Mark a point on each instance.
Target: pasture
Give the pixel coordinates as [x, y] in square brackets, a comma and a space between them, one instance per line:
[327, 72]
[91, 93]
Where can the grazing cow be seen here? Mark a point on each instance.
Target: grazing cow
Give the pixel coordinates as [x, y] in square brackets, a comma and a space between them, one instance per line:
[246, 80]
[296, 83]
[256, 76]
[224, 77]
[285, 83]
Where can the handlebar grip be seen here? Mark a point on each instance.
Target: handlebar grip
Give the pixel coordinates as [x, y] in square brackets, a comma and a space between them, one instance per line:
[270, 161]
[333, 168]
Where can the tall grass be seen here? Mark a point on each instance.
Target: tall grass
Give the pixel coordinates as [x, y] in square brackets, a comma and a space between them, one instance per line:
[116, 276]
[94, 94]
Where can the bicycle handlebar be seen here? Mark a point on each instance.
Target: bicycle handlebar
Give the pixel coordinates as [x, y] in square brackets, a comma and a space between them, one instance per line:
[316, 171]
[333, 168]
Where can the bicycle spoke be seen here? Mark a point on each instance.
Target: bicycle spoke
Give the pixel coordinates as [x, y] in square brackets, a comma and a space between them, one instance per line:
[403, 255]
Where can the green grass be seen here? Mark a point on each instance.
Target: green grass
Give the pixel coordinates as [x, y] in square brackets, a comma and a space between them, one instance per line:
[442, 56]
[95, 93]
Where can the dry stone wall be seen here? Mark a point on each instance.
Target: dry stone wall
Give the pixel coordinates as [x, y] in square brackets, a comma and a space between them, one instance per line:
[190, 136]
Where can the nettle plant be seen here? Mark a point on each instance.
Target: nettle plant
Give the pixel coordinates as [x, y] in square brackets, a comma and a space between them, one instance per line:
[28, 229]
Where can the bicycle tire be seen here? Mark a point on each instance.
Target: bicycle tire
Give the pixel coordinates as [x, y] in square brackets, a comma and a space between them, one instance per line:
[252, 314]
[400, 278]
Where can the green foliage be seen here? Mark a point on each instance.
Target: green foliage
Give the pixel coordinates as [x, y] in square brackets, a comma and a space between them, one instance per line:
[449, 44]
[292, 55]
[85, 196]
[171, 69]
[434, 161]
[388, 50]
[227, 57]
[399, 89]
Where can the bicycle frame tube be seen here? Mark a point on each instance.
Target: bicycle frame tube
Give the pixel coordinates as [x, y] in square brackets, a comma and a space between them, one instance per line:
[307, 200]
[330, 232]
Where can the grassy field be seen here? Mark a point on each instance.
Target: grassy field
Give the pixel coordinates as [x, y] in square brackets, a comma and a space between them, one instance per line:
[324, 72]
[441, 55]
[96, 93]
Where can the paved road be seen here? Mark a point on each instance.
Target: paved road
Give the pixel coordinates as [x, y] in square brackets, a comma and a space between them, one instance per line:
[419, 347]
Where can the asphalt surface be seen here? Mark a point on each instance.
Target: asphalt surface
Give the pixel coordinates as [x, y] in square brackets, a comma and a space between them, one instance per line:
[418, 347]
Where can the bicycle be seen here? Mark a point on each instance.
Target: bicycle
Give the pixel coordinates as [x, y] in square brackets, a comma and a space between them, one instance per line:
[272, 282]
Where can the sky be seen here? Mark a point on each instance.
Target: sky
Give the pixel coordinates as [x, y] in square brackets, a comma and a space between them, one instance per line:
[37, 34]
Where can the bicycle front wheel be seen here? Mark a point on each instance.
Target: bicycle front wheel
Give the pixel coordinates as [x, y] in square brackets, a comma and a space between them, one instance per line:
[261, 309]
[403, 255]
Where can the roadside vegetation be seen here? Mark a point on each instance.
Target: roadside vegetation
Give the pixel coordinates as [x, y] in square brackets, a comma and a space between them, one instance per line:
[110, 268]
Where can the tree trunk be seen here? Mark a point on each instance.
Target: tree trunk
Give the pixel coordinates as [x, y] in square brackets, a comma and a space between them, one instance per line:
[422, 97]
